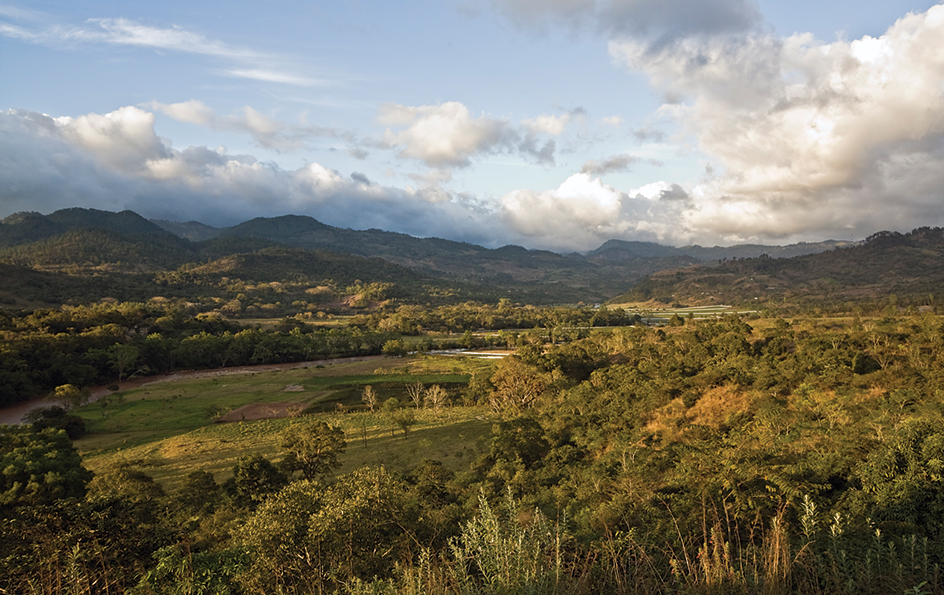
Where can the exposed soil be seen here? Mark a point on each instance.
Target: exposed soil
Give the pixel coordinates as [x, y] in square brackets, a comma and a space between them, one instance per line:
[255, 411]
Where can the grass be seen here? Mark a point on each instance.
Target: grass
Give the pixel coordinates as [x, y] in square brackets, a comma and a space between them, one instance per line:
[167, 429]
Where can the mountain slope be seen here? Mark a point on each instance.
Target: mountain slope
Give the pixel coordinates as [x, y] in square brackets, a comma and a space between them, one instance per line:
[571, 278]
[104, 249]
[886, 263]
[191, 230]
[616, 250]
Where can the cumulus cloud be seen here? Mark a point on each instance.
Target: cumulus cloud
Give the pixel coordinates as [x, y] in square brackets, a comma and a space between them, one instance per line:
[447, 135]
[584, 212]
[266, 131]
[553, 125]
[442, 135]
[116, 161]
[360, 178]
[810, 136]
[123, 139]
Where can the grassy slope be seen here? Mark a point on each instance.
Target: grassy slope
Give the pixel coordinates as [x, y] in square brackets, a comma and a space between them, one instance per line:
[167, 429]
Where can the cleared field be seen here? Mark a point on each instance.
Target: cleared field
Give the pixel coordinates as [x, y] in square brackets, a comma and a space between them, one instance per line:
[168, 430]
[662, 315]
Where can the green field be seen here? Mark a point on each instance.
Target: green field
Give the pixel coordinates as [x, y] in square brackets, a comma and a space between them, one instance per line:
[662, 315]
[169, 429]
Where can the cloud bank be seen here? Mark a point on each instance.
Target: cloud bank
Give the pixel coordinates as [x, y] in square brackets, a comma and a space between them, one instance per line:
[809, 136]
[116, 161]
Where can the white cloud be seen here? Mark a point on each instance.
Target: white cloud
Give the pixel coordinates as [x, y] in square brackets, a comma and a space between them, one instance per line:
[811, 137]
[116, 161]
[553, 125]
[191, 112]
[442, 135]
[274, 76]
[447, 135]
[583, 212]
[123, 139]
[246, 63]
[266, 131]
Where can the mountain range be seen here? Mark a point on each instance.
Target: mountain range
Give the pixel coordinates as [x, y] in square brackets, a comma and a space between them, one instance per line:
[90, 242]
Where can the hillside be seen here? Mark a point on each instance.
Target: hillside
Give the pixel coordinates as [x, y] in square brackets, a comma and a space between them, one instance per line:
[616, 250]
[102, 249]
[571, 277]
[88, 242]
[24, 228]
[92, 243]
[191, 230]
[886, 263]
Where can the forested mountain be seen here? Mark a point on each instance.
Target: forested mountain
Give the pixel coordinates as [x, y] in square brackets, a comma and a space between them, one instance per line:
[94, 244]
[622, 250]
[91, 242]
[191, 230]
[885, 263]
[23, 228]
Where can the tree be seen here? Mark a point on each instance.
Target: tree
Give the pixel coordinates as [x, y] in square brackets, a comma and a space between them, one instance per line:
[198, 493]
[435, 397]
[126, 482]
[365, 525]
[415, 391]
[369, 397]
[122, 358]
[71, 396]
[56, 417]
[39, 467]
[254, 479]
[517, 385]
[313, 448]
[395, 348]
[405, 418]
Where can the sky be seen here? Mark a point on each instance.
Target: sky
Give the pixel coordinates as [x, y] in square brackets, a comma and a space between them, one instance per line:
[551, 124]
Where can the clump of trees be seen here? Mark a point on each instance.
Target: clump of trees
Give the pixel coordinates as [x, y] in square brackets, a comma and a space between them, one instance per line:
[67, 350]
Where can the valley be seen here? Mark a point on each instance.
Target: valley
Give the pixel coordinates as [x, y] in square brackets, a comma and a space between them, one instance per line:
[278, 417]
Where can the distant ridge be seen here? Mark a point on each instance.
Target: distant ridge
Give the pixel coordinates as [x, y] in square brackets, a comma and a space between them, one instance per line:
[191, 230]
[93, 242]
[886, 263]
[622, 250]
[21, 228]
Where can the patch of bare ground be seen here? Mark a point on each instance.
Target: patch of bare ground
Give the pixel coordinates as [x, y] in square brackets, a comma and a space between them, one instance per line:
[256, 411]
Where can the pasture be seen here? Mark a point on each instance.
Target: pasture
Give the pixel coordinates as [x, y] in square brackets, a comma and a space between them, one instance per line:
[170, 429]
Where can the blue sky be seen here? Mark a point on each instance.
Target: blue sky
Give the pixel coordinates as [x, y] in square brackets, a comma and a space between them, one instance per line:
[552, 124]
